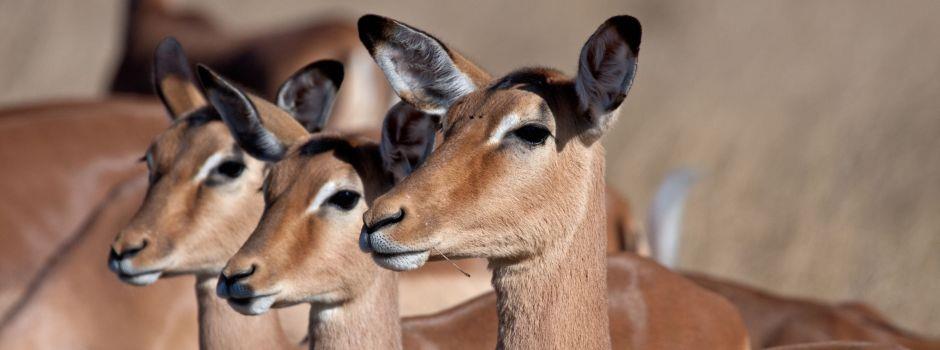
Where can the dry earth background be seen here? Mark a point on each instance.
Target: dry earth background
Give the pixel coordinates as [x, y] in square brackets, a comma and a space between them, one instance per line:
[816, 125]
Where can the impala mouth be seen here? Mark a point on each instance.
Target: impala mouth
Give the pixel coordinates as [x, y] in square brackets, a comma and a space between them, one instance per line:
[390, 254]
[252, 305]
[142, 278]
[401, 261]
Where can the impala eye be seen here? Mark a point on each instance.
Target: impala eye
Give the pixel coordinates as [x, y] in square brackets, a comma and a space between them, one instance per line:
[533, 134]
[345, 200]
[230, 169]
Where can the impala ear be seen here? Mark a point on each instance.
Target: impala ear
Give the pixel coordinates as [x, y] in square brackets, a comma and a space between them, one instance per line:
[407, 139]
[309, 94]
[242, 118]
[173, 80]
[606, 70]
[421, 69]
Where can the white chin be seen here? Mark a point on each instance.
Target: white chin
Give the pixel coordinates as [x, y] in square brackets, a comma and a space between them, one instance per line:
[401, 262]
[143, 279]
[255, 306]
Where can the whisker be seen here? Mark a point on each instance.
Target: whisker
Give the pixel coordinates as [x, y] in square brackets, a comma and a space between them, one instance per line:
[452, 263]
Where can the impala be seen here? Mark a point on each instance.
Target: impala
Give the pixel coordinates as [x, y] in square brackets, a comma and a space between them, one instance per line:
[203, 188]
[304, 248]
[519, 180]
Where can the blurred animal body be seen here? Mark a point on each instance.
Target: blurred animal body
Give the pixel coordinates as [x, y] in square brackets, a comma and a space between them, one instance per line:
[68, 155]
[258, 62]
[772, 320]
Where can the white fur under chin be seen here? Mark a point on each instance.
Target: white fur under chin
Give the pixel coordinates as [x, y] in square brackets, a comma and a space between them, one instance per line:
[256, 306]
[401, 262]
[143, 279]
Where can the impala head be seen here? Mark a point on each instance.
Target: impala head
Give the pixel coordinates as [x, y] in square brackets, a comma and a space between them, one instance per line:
[304, 248]
[204, 197]
[520, 154]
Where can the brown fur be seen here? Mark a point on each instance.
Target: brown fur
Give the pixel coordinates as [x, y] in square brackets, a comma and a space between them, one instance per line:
[773, 320]
[55, 185]
[304, 258]
[535, 213]
[649, 309]
[310, 257]
[839, 345]
[190, 226]
[192, 229]
[82, 305]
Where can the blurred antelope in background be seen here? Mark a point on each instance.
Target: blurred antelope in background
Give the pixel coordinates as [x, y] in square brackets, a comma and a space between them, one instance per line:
[55, 186]
[259, 62]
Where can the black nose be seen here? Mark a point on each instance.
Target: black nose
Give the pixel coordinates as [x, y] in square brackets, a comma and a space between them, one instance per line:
[386, 221]
[240, 275]
[127, 252]
[364, 242]
[228, 286]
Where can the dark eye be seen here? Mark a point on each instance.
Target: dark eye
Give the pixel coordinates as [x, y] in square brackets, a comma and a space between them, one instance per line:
[345, 200]
[230, 169]
[532, 134]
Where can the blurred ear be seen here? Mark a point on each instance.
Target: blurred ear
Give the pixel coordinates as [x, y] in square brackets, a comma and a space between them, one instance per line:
[420, 68]
[309, 94]
[606, 70]
[407, 139]
[173, 80]
[243, 119]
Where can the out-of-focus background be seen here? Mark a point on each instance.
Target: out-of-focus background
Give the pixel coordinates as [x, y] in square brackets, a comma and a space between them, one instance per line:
[815, 125]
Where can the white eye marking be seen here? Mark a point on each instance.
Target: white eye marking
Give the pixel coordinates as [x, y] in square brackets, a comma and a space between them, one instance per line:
[325, 192]
[212, 162]
[505, 125]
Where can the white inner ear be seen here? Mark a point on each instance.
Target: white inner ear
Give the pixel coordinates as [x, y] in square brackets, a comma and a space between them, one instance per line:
[212, 162]
[433, 70]
[325, 192]
[505, 125]
[599, 78]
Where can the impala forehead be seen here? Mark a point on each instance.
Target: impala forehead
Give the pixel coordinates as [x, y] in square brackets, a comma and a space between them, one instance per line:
[498, 112]
[188, 144]
[310, 175]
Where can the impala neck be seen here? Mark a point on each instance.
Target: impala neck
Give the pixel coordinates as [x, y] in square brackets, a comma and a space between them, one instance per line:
[558, 300]
[220, 327]
[368, 321]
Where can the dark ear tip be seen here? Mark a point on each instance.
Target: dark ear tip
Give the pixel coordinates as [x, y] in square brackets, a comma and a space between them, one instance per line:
[169, 46]
[207, 78]
[371, 27]
[629, 28]
[169, 58]
[331, 69]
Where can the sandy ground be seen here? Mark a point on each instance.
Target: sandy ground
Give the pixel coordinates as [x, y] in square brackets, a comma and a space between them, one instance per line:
[816, 125]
